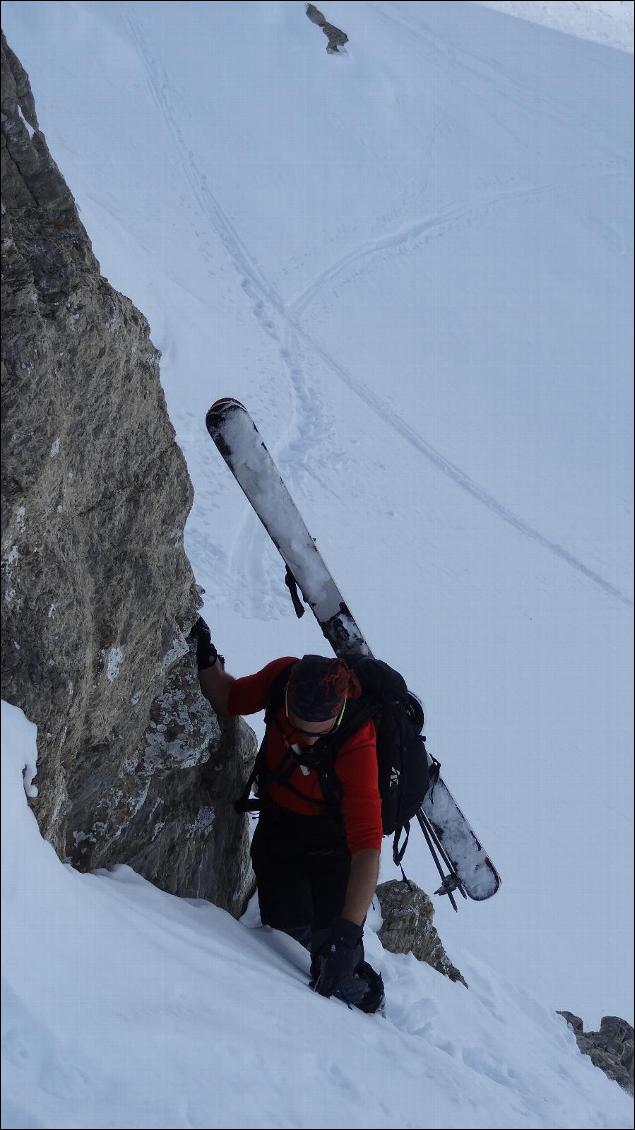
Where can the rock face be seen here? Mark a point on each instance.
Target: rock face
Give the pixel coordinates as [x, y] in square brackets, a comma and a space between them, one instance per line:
[97, 592]
[610, 1049]
[407, 914]
[335, 37]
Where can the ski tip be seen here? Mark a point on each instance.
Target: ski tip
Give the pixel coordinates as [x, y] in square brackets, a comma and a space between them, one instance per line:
[220, 408]
[226, 402]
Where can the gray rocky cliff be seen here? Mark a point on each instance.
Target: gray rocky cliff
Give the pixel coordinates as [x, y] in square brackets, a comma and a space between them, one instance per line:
[97, 593]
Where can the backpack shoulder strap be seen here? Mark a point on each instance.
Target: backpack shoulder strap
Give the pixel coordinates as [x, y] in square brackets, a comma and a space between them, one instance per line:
[275, 698]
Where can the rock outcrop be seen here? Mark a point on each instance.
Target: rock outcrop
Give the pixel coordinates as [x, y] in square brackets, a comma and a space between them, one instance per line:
[97, 593]
[610, 1049]
[334, 36]
[407, 914]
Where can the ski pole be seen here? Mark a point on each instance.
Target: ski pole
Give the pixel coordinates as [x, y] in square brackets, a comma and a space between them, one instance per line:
[449, 882]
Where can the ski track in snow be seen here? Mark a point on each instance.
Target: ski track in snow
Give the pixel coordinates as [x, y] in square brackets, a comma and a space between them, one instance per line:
[262, 594]
[280, 320]
[446, 220]
[386, 413]
[259, 598]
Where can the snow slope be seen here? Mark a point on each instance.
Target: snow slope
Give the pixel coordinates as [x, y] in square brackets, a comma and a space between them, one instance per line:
[145, 1010]
[414, 263]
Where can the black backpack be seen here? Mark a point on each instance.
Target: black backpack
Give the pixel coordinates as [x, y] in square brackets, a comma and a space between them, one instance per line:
[402, 759]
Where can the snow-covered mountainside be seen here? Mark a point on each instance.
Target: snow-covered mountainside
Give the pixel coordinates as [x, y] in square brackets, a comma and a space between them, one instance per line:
[412, 260]
[128, 1007]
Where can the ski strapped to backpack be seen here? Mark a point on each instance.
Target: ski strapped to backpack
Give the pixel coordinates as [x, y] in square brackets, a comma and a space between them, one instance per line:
[447, 832]
[402, 760]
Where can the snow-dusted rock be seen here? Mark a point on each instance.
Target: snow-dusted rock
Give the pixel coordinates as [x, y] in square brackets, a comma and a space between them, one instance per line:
[610, 1049]
[407, 914]
[336, 38]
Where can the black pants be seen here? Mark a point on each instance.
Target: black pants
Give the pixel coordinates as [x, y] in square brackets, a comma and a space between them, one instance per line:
[302, 864]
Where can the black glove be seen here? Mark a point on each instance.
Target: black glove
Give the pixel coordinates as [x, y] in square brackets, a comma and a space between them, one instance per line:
[206, 653]
[337, 957]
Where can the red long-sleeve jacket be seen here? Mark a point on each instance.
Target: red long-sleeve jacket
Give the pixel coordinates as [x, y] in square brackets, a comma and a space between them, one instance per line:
[355, 765]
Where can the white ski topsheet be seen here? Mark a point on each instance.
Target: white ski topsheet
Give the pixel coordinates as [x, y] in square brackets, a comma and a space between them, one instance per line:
[257, 474]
